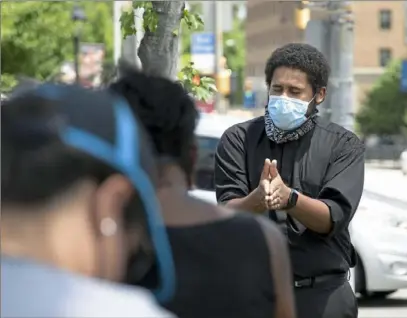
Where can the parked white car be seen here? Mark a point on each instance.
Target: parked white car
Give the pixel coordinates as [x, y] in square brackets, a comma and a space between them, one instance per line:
[378, 230]
[403, 162]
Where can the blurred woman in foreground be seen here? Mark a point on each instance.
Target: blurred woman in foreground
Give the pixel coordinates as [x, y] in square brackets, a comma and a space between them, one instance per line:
[76, 194]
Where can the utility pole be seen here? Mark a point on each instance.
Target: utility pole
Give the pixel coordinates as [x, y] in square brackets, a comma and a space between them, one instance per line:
[341, 60]
[334, 37]
[218, 30]
[318, 34]
[138, 23]
[132, 42]
[117, 34]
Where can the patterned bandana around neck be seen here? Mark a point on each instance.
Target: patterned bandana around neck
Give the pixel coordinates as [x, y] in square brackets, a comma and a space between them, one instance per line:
[280, 136]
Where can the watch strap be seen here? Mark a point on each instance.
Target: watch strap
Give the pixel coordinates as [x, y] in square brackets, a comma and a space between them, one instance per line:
[292, 200]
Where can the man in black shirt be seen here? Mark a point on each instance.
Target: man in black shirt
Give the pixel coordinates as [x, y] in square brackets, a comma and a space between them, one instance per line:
[306, 173]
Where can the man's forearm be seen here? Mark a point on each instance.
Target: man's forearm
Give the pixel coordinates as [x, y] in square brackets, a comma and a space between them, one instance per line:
[313, 214]
[250, 203]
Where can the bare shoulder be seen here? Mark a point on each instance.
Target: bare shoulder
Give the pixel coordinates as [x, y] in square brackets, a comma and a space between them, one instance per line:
[178, 213]
[215, 212]
[225, 211]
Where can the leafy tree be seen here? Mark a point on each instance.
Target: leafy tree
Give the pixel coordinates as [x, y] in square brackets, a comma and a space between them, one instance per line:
[187, 32]
[7, 83]
[234, 43]
[37, 35]
[384, 111]
[158, 51]
[235, 53]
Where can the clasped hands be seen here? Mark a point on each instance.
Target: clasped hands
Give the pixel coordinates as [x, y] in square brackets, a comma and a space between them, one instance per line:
[272, 191]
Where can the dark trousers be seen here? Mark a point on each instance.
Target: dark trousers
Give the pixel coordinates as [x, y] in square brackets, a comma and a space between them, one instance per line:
[329, 300]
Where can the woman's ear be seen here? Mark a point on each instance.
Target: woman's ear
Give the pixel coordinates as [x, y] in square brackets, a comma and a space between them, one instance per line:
[112, 196]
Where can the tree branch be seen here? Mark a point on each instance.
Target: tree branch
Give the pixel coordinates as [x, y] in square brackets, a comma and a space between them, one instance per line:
[158, 51]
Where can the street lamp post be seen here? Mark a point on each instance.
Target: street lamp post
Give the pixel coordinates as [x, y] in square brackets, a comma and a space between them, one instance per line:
[78, 15]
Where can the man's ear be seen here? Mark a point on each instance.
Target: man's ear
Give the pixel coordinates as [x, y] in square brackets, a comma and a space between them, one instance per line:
[320, 95]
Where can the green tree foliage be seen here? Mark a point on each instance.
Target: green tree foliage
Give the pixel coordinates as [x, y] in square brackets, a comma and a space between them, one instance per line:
[187, 32]
[36, 36]
[7, 83]
[159, 38]
[235, 53]
[234, 44]
[384, 111]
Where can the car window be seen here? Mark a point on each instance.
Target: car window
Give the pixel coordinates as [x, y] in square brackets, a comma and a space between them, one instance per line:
[207, 143]
[204, 173]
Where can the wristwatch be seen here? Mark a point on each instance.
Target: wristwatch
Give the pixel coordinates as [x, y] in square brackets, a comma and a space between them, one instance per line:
[292, 200]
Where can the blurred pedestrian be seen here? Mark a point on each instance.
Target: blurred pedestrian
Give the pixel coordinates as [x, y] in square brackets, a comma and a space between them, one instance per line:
[306, 173]
[228, 264]
[76, 193]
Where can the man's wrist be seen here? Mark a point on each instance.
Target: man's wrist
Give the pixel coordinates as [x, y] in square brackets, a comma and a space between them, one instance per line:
[292, 199]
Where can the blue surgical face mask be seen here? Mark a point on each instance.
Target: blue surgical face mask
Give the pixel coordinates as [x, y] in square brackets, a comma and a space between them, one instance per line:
[287, 113]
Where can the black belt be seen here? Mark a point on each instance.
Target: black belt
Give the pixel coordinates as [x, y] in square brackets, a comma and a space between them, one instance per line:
[312, 281]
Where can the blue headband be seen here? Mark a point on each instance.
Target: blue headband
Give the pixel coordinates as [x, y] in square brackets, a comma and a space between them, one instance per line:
[125, 158]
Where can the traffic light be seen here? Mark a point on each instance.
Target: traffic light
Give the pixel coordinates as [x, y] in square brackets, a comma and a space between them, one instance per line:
[304, 4]
[223, 82]
[348, 7]
[302, 15]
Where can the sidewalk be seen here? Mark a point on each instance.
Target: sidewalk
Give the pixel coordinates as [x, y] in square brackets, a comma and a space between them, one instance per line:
[383, 164]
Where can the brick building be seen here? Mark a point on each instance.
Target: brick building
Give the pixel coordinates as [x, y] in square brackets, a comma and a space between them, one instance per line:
[380, 35]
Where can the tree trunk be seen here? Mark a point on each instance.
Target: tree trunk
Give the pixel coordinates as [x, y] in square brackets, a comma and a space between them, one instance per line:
[158, 51]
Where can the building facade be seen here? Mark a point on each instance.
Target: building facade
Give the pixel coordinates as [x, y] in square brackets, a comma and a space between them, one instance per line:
[380, 33]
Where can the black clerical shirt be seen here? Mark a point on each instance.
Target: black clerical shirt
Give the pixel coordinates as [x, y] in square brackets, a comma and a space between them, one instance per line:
[326, 164]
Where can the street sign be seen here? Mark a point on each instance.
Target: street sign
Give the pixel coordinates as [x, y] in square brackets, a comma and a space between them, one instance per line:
[203, 43]
[403, 77]
[203, 52]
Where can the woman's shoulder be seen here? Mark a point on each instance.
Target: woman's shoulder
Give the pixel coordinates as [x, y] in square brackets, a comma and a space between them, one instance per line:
[114, 300]
[31, 289]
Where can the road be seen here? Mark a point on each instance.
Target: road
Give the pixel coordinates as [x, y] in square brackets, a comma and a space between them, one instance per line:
[393, 307]
[387, 185]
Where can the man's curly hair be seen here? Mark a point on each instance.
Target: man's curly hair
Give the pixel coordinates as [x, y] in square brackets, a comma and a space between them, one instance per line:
[303, 57]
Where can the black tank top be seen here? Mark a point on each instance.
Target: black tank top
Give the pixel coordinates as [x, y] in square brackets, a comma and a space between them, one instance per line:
[223, 270]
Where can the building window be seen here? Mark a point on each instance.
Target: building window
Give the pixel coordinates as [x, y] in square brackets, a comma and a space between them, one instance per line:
[385, 19]
[385, 57]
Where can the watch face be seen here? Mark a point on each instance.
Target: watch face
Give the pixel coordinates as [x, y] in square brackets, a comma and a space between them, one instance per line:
[293, 199]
